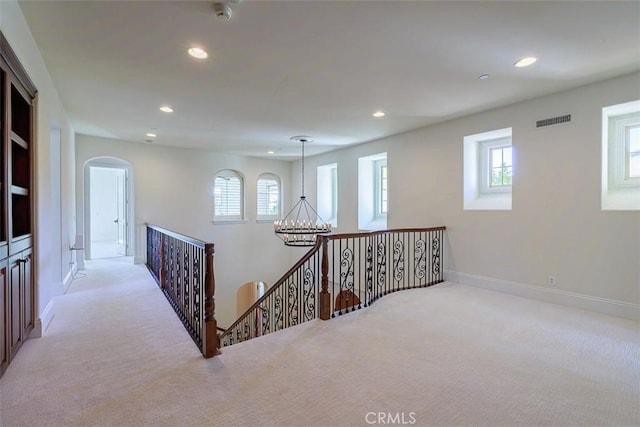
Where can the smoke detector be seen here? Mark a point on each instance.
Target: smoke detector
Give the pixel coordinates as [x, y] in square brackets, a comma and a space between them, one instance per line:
[223, 11]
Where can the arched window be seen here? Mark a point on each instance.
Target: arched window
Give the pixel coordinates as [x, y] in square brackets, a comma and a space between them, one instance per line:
[268, 192]
[228, 196]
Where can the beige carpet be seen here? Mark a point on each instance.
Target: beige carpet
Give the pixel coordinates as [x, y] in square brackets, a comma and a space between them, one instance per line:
[116, 355]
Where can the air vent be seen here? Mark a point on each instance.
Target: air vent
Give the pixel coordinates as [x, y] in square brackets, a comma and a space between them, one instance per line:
[553, 121]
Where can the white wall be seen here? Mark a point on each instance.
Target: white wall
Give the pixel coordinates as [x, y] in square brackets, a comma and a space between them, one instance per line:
[556, 226]
[173, 189]
[53, 242]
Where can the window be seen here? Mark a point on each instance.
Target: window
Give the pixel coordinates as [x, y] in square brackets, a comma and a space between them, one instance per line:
[488, 170]
[380, 191]
[327, 186]
[228, 196]
[373, 191]
[496, 166]
[500, 166]
[621, 157]
[268, 197]
[632, 154]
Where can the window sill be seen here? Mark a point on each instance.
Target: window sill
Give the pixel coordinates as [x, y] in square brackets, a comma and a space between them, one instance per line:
[621, 199]
[375, 225]
[266, 220]
[229, 221]
[490, 202]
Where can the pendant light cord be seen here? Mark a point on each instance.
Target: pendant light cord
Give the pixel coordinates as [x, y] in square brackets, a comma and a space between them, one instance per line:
[302, 168]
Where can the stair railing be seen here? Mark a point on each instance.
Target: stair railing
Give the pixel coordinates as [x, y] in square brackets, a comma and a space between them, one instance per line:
[290, 301]
[343, 273]
[183, 269]
[363, 267]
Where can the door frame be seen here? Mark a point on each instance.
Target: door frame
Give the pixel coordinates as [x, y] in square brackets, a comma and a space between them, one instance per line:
[113, 163]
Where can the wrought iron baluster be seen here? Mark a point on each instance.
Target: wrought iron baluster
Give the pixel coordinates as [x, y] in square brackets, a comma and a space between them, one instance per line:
[369, 271]
[362, 268]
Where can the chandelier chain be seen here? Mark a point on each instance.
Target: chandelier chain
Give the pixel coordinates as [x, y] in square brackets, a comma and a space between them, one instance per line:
[302, 168]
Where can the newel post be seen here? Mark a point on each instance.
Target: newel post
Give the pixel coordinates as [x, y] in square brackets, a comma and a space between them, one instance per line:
[325, 297]
[210, 326]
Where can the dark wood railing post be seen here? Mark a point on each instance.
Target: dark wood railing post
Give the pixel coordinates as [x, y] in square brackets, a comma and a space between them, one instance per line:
[210, 326]
[161, 271]
[325, 297]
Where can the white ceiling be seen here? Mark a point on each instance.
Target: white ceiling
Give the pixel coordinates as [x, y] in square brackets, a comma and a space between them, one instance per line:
[319, 68]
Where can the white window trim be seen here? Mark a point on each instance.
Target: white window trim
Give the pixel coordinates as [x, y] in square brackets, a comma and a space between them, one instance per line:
[327, 193]
[276, 216]
[477, 194]
[618, 130]
[618, 192]
[367, 220]
[230, 219]
[377, 188]
[628, 153]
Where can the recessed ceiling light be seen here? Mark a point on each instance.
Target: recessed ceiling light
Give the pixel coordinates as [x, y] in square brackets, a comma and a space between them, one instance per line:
[151, 135]
[378, 114]
[484, 77]
[166, 109]
[525, 62]
[198, 52]
[271, 152]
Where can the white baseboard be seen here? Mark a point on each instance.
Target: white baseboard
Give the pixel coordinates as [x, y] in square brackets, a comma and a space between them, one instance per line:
[69, 278]
[42, 323]
[607, 306]
[138, 260]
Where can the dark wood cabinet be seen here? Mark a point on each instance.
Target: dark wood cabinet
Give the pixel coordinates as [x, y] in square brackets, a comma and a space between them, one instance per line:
[20, 299]
[28, 291]
[4, 322]
[17, 124]
[13, 307]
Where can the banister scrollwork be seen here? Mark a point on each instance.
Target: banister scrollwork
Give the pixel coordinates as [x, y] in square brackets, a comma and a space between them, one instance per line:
[353, 270]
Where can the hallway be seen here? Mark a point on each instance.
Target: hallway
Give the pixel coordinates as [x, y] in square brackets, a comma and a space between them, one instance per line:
[106, 322]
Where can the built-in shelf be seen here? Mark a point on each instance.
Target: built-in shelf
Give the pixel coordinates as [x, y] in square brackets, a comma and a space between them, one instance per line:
[19, 141]
[21, 222]
[17, 144]
[4, 249]
[20, 115]
[20, 165]
[20, 191]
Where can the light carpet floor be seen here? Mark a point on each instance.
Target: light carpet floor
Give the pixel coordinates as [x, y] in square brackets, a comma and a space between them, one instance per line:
[116, 355]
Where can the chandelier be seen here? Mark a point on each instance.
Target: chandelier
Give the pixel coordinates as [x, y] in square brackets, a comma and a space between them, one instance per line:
[302, 225]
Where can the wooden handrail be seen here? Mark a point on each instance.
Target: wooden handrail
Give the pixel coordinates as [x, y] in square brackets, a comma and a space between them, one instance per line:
[182, 237]
[390, 231]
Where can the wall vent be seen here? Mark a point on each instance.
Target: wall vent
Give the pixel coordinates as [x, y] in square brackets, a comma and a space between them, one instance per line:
[553, 121]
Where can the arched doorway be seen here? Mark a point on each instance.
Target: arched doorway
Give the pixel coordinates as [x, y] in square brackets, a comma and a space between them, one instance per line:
[108, 208]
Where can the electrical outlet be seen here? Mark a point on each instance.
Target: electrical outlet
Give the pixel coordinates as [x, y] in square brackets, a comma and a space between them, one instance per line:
[551, 281]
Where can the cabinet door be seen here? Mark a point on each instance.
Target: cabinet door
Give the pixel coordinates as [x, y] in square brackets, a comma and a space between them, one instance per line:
[15, 305]
[26, 284]
[4, 310]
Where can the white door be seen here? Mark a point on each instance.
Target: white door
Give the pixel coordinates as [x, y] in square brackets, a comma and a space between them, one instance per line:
[108, 219]
[121, 219]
